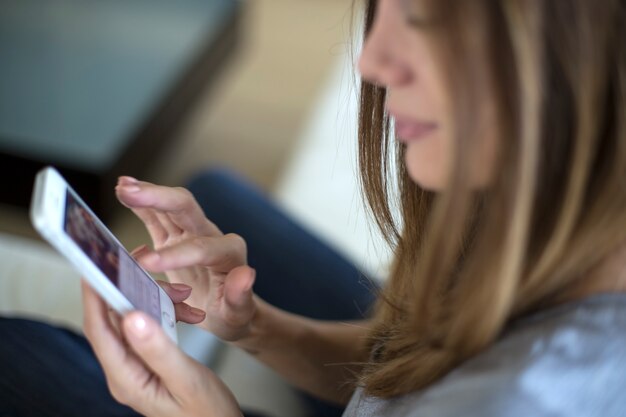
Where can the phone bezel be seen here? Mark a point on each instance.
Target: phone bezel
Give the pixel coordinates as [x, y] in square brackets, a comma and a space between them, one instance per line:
[48, 217]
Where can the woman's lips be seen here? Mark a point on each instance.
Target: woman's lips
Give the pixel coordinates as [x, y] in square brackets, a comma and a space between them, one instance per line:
[409, 130]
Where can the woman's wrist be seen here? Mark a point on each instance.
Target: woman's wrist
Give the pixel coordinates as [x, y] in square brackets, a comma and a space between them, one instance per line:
[252, 342]
[269, 329]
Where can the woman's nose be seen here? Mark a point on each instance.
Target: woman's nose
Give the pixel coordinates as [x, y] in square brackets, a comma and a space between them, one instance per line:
[380, 63]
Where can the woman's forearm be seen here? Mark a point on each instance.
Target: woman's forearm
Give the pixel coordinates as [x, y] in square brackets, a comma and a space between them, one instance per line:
[319, 357]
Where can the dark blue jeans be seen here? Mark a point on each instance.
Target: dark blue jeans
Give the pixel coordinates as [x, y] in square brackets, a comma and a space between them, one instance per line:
[47, 371]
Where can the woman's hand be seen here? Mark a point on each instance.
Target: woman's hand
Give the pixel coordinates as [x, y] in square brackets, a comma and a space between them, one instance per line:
[146, 371]
[191, 250]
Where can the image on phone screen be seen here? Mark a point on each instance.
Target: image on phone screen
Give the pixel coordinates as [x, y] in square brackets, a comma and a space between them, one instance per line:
[112, 259]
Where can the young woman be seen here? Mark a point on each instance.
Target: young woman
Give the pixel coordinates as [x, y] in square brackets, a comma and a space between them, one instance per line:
[507, 294]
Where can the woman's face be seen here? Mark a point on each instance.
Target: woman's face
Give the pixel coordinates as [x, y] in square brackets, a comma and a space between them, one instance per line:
[397, 55]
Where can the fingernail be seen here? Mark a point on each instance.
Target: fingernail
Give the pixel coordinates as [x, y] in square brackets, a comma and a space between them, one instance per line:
[128, 179]
[196, 311]
[150, 258]
[138, 250]
[180, 287]
[140, 327]
[130, 188]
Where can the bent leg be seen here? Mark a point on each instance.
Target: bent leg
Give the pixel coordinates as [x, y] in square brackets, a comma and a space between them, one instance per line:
[296, 271]
[49, 371]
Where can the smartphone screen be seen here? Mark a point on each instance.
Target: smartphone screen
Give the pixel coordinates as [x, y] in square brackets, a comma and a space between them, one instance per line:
[112, 259]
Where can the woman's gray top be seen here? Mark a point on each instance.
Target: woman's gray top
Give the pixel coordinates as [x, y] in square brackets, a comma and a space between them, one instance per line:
[566, 361]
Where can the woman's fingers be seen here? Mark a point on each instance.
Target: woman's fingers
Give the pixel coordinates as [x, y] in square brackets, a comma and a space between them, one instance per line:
[219, 253]
[138, 251]
[178, 203]
[235, 305]
[184, 312]
[115, 320]
[96, 323]
[120, 366]
[189, 314]
[127, 376]
[172, 229]
[174, 369]
[150, 373]
[145, 194]
[238, 289]
[177, 292]
[148, 217]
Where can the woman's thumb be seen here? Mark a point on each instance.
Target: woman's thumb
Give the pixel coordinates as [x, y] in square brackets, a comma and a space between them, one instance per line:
[238, 286]
[157, 350]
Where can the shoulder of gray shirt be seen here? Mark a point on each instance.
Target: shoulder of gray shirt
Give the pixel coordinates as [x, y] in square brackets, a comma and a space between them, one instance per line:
[569, 360]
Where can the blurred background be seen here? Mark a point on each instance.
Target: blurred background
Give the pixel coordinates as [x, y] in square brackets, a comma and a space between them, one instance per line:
[163, 90]
[250, 109]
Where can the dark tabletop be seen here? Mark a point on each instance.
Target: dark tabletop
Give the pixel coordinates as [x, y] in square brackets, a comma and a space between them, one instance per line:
[81, 79]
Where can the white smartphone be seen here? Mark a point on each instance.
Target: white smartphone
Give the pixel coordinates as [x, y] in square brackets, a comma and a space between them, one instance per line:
[65, 221]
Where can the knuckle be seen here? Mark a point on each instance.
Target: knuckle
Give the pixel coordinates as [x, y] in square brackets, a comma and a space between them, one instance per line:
[157, 350]
[150, 221]
[199, 244]
[238, 242]
[118, 394]
[232, 318]
[194, 387]
[199, 250]
[187, 198]
[183, 191]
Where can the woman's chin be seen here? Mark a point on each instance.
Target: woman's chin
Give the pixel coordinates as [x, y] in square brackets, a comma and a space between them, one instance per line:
[425, 178]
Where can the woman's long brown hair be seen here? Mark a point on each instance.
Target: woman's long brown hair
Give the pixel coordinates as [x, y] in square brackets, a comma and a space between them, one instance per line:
[468, 262]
